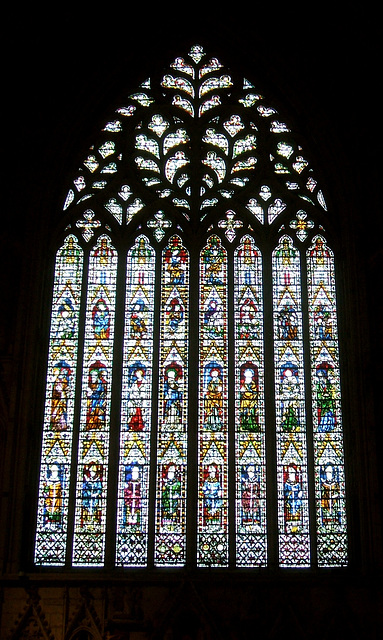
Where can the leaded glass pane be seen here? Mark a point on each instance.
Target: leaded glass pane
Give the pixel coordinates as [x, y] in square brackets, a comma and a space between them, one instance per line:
[326, 403]
[249, 407]
[293, 516]
[170, 541]
[52, 517]
[93, 447]
[213, 407]
[136, 407]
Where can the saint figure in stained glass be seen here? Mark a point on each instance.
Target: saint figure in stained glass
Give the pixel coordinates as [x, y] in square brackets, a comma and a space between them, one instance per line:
[138, 327]
[292, 498]
[175, 314]
[175, 258]
[101, 320]
[53, 494]
[66, 321]
[59, 402]
[170, 496]
[250, 497]
[213, 397]
[212, 492]
[132, 495]
[249, 398]
[136, 395]
[91, 496]
[248, 327]
[290, 394]
[173, 396]
[97, 393]
[326, 398]
[330, 497]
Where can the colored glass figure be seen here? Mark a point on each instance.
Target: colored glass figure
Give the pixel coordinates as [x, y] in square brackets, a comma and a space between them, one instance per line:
[248, 325]
[326, 406]
[213, 427]
[59, 401]
[325, 397]
[250, 462]
[93, 450]
[213, 397]
[287, 322]
[66, 320]
[170, 533]
[91, 496]
[248, 404]
[136, 407]
[101, 320]
[292, 495]
[53, 496]
[212, 497]
[56, 452]
[96, 396]
[213, 317]
[138, 328]
[175, 314]
[132, 491]
[290, 394]
[213, 262]
[170, 497]
[250, 498]
[136, 396]
[322, 317]
[293, 523]
[330, 504]
[175, 262]
[172, 411]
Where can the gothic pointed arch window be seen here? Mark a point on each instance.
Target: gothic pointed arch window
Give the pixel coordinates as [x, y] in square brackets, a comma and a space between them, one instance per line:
[193, 401]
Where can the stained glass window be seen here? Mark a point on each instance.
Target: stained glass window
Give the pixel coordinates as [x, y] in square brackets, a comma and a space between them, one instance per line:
[193, 408]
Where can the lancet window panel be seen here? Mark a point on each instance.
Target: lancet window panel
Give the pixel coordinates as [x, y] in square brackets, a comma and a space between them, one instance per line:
[170, 540]
[94, 432]
[55, 468]
[213, 407]
[136, 407]
[292, 478]
[326, 406]
[250, 453]
[193, 410]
